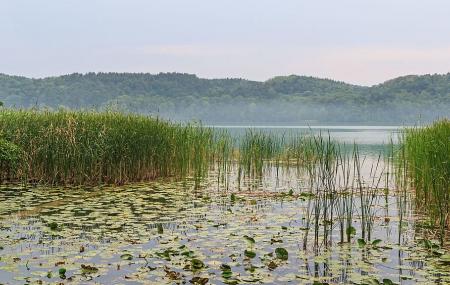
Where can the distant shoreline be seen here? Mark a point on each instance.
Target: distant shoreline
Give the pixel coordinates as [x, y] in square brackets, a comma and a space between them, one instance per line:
[303, 127]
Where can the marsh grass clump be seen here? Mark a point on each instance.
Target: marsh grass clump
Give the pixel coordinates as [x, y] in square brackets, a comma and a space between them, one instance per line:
[423, 161]
[223, 155]
[84, 147]
[11, 156]
[257, 150]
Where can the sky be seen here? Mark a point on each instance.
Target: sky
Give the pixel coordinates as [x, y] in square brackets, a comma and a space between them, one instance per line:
[362, 42]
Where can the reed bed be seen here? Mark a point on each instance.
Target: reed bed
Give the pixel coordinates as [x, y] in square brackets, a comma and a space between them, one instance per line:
[423, 163]
[257, 151]
[95, 148]
[80, 148]
[85, 147]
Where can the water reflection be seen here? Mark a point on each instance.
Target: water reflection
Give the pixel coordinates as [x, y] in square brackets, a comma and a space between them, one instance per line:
[168, 232]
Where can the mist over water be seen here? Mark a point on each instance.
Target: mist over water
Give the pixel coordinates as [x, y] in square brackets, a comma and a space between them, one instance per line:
[282, 100]
[285, 113]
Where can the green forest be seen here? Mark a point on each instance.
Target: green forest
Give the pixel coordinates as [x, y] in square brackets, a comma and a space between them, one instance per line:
[284, 99]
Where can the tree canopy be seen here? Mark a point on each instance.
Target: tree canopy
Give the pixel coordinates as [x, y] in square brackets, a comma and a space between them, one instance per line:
[282, 99]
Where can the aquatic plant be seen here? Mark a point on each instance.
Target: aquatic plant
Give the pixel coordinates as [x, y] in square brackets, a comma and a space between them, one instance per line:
[11, 157]
[223, 156]
[423, 163]
[95, 148]
[256, 148]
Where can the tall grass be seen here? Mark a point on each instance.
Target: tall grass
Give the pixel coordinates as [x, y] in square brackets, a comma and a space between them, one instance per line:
[424, 161]
[68, 147]
[223, 157]
[258, 150]
[10, 160]
[94, 148]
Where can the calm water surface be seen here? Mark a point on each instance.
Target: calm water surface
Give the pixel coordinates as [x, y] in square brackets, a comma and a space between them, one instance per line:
[366, 135]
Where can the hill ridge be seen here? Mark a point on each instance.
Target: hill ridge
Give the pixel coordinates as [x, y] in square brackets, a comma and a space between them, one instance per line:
[185, 96]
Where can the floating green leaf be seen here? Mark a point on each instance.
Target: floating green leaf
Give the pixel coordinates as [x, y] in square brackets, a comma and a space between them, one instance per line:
[62, 273]
[361, 242]
[226, 271]
[197, 264]
[388, 282]
[53, 226]
[199, 280]
[249, 239]
[227, 274]
[281, 253]
[351, 231]
[249, 254]
[376, 242]
[371, 281]
[126, 256]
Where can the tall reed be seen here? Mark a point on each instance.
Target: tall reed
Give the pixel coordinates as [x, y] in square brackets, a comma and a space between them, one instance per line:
[93, 148]
[424, 165]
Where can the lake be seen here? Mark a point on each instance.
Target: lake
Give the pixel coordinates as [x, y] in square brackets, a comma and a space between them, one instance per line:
[366, 135]
[283, 228]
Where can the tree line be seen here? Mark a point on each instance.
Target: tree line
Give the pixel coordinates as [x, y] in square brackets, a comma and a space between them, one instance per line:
[283, 99]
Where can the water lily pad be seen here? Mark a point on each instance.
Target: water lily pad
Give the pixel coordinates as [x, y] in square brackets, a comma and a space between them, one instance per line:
[361, 242]
[62, 273]
[376, 242]
[388, 282]
[126, 256]
[281, 253]
[249, 239]
[249, 253]
[197, 264]
[227, 274]
[53, 226]
[199, 280]
[351, 231]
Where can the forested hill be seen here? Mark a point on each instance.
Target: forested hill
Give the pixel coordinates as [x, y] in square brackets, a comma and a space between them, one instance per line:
[283, 99]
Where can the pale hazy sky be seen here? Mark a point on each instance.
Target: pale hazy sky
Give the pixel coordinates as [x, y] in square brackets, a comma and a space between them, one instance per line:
[358, 41]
